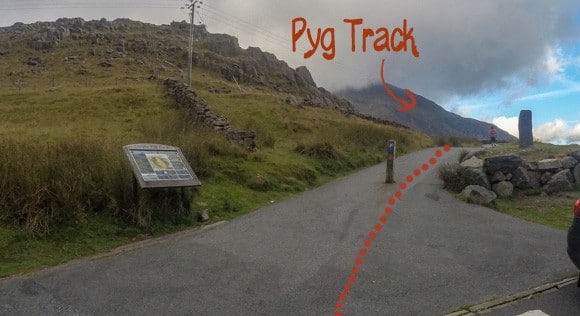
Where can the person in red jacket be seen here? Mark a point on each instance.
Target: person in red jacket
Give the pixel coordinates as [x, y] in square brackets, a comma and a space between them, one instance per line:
[492, 136]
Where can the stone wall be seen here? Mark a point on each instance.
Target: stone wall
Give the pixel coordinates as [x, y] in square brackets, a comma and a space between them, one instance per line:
[501, 175]
[199, 111]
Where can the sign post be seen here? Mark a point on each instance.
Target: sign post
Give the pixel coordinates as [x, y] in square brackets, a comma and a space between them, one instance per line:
[159, 166]
[391, 149]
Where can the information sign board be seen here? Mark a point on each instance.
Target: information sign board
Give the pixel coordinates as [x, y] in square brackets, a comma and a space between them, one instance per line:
[160, 166]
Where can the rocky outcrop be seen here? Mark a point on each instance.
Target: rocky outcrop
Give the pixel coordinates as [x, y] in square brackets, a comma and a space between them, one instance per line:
[199, 111]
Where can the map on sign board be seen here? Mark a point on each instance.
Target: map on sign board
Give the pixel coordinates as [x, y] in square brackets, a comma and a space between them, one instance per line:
[160, 166]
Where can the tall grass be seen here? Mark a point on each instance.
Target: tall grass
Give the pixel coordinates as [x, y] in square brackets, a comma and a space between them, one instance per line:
[44, 184]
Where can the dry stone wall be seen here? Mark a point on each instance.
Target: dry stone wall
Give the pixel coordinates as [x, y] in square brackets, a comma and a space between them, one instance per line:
[501, 175]
[199, 111]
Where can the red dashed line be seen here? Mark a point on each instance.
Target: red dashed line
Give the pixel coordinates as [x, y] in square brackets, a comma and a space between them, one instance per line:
[378, 227]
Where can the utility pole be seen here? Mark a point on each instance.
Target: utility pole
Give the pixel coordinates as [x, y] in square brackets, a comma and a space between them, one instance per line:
[191, 6]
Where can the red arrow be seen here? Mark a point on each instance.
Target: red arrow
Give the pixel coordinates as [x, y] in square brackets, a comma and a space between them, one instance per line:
[406, 106]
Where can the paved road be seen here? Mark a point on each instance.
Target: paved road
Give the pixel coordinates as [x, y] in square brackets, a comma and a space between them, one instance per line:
[561, 302]
[292, 258]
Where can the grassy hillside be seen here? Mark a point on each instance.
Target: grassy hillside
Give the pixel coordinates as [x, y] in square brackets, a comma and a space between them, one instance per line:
[65, 186]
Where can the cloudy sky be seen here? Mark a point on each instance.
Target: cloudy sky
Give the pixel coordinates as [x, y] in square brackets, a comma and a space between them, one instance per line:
[482, 59]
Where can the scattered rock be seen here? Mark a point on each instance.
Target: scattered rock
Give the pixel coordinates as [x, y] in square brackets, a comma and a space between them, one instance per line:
[569, 162]
[478, 194]
[34, 61]
[292, 100]
[509, 176]
[503, 189]
[70, 58]
[204, 215]
[505, 164]
[559, 182]
[549, 164]
[105, 63]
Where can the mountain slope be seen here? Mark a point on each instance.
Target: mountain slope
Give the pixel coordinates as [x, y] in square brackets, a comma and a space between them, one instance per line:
[427, 116]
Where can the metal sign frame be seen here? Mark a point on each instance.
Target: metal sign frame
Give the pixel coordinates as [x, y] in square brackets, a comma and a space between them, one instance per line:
[160, 166]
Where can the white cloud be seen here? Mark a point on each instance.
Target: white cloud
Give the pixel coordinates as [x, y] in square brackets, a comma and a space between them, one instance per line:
[508, 124]
[558, 132]
[555, 62]
[552, 132]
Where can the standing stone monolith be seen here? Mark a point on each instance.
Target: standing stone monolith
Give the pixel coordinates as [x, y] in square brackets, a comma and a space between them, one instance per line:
[525, 129]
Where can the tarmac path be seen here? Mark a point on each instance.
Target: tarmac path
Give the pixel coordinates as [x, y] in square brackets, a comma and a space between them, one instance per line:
[434, 255]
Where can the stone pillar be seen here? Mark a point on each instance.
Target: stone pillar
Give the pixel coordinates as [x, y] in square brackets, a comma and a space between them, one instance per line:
[525, 129]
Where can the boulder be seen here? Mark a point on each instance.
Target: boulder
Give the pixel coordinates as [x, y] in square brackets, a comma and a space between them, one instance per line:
[559, 182]
[575, 155]
[503, 189]
[569, 162]
[576, 173]
[498, 177]
[505, 164]
[473, 176]
[520, 178]
[292, 100]
[472, 162]
[471, 154]
[478, 194]
[549, 164]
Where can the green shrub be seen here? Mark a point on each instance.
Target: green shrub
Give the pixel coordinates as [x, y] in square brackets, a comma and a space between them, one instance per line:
[451, 176]
[323, 150]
